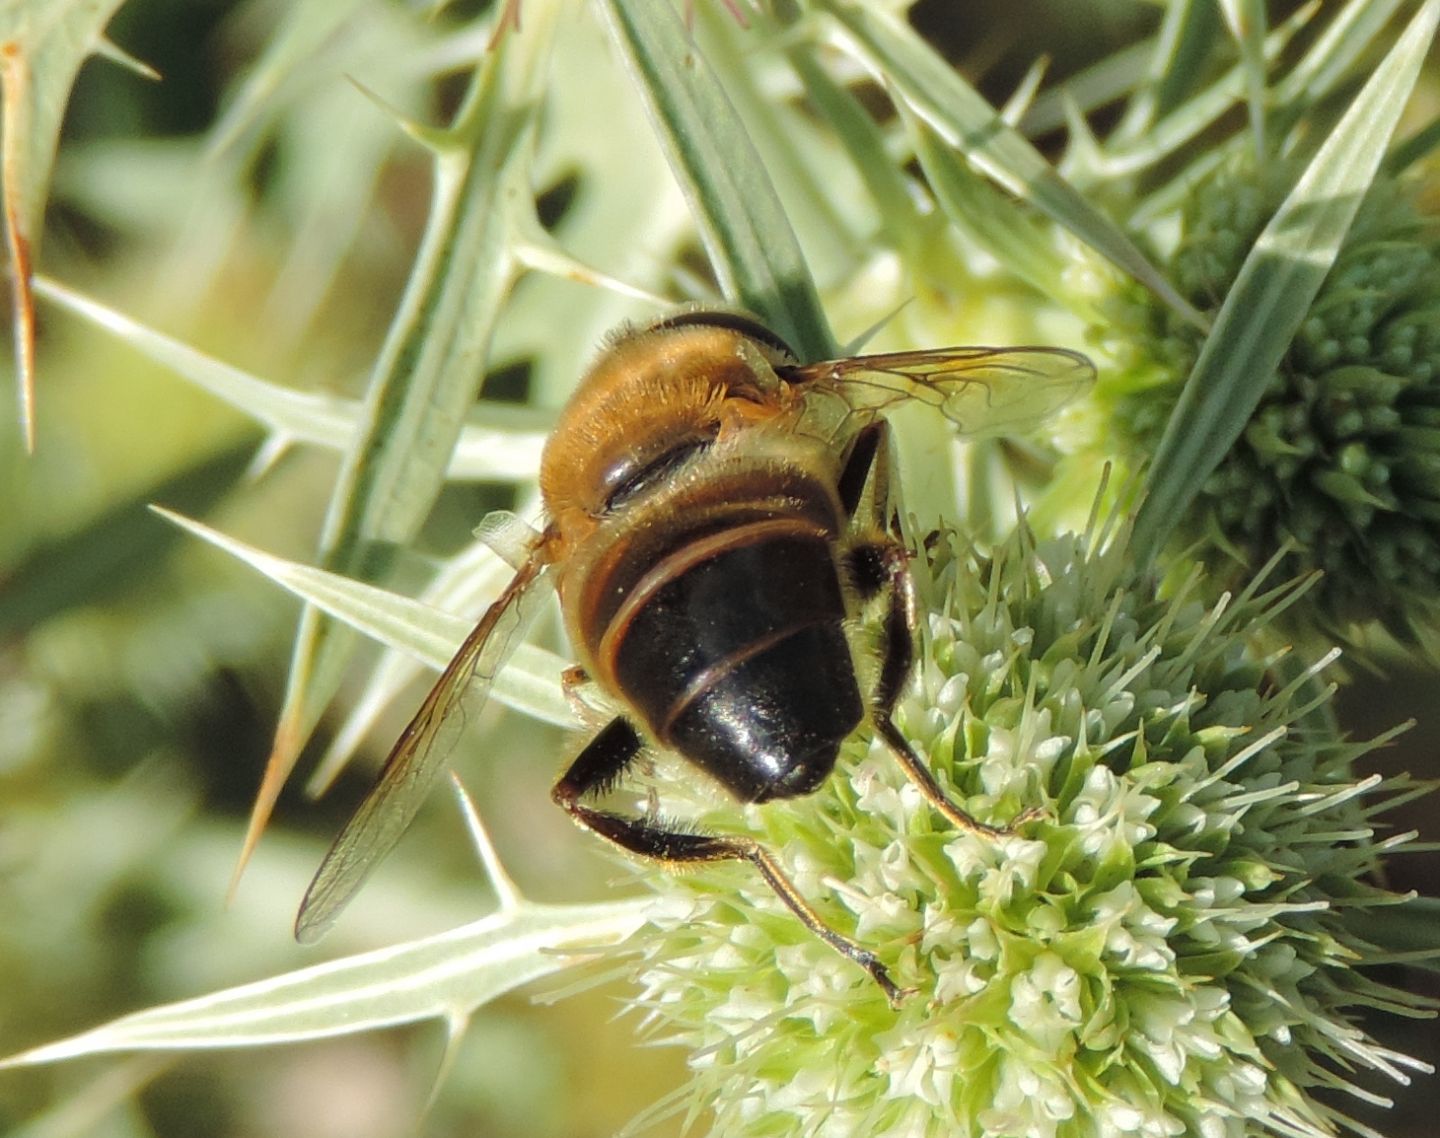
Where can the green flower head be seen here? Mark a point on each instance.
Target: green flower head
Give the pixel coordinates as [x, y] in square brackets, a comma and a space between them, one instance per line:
[1168, 950]
[1340, 464]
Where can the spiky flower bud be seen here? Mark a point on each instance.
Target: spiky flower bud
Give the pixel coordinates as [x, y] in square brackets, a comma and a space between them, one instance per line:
[1340, 464]
[1171, 949]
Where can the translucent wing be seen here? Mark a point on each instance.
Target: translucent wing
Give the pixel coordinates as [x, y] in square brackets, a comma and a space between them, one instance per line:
[420, 755]
[983, 391]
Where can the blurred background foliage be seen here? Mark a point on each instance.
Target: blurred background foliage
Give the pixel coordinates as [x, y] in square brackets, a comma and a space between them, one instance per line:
[141, 673]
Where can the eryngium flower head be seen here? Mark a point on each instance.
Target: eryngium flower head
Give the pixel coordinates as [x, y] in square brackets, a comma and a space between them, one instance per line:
[1340, 463]
[1170, 950]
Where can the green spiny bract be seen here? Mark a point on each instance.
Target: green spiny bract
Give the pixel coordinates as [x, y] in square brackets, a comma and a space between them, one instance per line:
[1340, 464]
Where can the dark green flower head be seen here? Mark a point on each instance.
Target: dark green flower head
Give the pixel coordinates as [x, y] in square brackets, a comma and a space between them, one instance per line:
[1340, 464]
[1171, 949]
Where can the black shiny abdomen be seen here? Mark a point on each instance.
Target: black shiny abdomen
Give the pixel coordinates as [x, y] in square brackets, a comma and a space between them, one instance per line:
[740, 663]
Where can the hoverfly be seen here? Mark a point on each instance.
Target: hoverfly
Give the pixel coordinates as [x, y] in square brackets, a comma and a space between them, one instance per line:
[716, 513]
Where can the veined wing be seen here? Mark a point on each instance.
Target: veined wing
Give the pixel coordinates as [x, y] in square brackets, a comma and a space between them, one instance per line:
[420, 755]
[983, 391]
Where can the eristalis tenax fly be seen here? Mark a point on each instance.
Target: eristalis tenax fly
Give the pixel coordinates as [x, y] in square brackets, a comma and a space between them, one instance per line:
[717, 515]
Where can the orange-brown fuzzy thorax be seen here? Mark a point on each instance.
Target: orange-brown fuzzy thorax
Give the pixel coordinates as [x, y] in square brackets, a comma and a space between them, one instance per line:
[647, 393]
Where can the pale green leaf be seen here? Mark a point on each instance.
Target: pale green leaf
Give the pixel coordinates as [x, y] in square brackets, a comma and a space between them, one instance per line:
[1246, 20]
[752, 248]
[911, 231]
[300, 101]
[306, 29]
[988, 220]
[1181, 57]
[528, 683]
[1175, 133]
[1088, 90]
[498, 440]
[430, 365]
[820, 193]
[437, 977]
[42, 45]
[962, 117]
[1329, 60]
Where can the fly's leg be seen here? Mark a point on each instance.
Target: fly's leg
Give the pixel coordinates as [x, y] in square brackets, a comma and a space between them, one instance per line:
[879, 565]
[601, 765]
[575, 682]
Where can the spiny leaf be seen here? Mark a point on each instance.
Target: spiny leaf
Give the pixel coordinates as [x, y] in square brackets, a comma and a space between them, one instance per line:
[1246, 20]
[498, 440]
[751, 245]
[528, 683]
[289, 53]
[962, 116]
[428, 370]
[42, 45]
[435, 977]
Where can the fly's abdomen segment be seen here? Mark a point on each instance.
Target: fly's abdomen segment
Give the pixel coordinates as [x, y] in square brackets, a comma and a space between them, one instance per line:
[733, 650]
